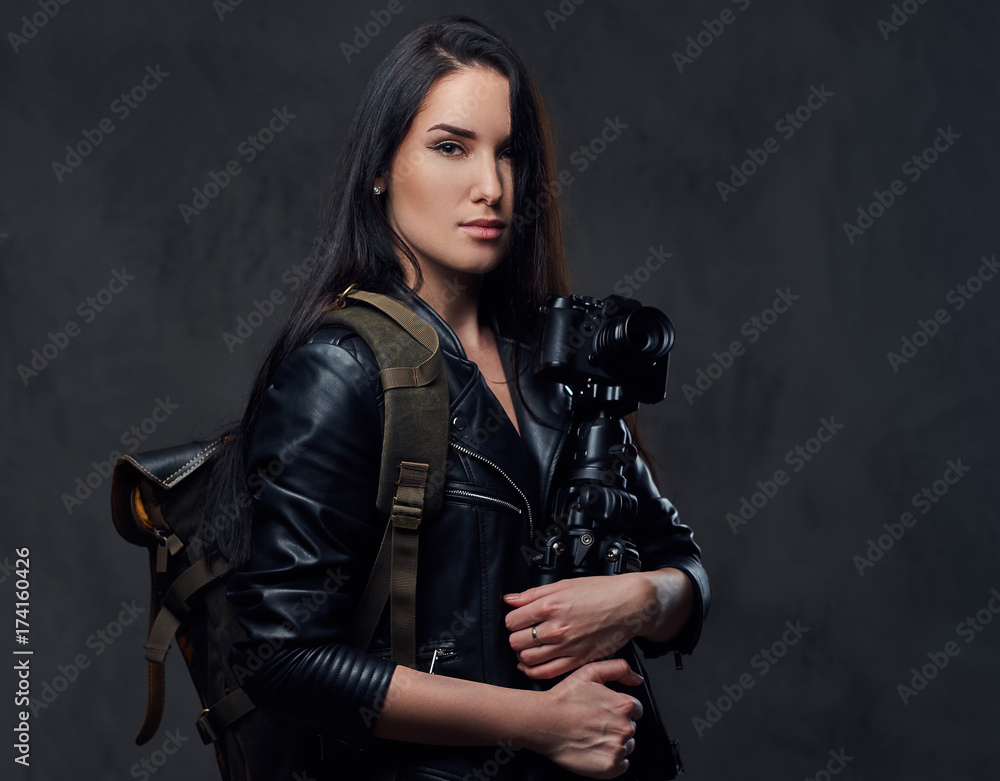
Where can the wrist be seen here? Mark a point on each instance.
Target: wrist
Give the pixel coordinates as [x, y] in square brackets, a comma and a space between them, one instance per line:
[535, 730]
[645, 606]
[668, 599]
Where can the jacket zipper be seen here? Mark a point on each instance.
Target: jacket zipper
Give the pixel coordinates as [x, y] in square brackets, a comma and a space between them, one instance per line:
[484, 498]
[527, 506]
[440, 653]
[433, 654]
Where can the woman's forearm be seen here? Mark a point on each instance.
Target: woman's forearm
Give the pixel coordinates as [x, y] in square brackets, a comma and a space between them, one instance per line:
[580, 724]
[436, 709]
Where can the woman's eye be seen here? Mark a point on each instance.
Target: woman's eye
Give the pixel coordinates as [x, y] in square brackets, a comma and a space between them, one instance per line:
[448, 148]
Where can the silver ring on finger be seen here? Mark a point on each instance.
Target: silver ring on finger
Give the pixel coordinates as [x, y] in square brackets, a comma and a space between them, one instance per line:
[534, 636]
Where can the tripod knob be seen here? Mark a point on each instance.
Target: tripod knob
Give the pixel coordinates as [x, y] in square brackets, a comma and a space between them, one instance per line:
[624, 454]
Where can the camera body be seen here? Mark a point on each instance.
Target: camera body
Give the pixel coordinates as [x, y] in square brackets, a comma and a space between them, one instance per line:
[611, 342]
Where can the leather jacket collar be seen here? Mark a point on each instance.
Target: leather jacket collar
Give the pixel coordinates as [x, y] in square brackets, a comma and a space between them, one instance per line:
[477, 417]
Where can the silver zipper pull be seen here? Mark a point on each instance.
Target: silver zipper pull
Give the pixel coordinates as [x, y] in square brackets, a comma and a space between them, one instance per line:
[434, 657]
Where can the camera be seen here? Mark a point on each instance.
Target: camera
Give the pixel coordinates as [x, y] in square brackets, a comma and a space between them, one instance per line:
[614, 342]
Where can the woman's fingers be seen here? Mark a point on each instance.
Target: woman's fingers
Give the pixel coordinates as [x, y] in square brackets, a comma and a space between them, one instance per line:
[549, 669]
[608, 670]
[599, 722]
[553, 658]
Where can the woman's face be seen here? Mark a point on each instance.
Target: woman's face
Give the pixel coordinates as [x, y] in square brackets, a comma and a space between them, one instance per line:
[450, 190]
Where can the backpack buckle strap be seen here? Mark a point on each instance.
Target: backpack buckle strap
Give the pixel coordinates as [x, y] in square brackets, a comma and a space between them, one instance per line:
[205, 728]
[175, 608]
[155, 695]
[407, 511]
[408, 504]
[214, 721]
[405, 518]
[402, 595]
[166, 546]
[161, 551]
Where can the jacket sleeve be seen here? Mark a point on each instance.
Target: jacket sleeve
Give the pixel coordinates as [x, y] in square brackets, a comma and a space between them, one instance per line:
[314, 466]
[663, 541]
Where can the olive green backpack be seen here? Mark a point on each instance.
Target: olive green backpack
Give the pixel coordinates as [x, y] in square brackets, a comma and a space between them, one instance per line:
[158, 501]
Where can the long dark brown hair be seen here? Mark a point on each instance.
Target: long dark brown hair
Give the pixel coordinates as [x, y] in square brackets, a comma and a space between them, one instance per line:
[356, 244]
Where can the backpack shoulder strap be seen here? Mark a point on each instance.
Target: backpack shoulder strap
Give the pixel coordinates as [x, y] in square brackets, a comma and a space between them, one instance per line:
[414, 450]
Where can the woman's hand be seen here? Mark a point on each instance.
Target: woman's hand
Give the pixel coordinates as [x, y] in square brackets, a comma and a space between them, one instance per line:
[578, 620]
[589, 729]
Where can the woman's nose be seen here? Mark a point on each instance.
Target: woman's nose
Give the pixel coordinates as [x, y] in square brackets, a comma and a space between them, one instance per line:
[488, 185]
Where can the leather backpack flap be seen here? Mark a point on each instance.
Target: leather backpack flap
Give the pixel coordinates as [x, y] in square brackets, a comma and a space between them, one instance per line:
[141, 483]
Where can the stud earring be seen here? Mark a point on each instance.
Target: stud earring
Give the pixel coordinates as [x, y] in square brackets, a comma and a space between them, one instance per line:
[378, 189]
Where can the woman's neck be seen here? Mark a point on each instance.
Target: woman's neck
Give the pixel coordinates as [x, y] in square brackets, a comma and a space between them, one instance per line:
[454, 296]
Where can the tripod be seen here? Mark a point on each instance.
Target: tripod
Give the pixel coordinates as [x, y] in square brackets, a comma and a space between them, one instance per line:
[593, 507]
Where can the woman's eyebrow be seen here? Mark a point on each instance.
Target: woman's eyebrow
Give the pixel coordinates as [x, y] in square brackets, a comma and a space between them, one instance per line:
[458, 131]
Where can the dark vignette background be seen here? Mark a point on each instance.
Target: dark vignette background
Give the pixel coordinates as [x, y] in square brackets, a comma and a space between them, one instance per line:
[654, 187]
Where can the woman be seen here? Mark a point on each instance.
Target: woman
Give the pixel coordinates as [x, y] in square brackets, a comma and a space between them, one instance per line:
[440, 191]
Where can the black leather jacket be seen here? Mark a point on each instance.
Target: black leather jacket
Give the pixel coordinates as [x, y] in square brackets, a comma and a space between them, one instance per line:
[315, 531]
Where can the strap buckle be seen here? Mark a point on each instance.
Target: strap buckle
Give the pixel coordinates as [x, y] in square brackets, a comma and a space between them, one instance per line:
[205, 728]
[341, 301]
[408, 504]
[405, 517]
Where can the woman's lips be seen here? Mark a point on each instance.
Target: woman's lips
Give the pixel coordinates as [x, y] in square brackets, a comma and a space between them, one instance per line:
[484, 229]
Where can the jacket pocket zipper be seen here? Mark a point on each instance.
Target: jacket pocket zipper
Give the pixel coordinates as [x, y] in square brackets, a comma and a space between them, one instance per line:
[481, 499]
[527, 506]
[434, 654]
[440, 654]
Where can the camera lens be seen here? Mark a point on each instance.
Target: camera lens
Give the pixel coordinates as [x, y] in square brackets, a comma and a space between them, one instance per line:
[643, 337]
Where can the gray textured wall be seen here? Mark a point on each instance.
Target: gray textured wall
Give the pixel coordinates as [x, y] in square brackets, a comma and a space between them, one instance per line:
[64, 235]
